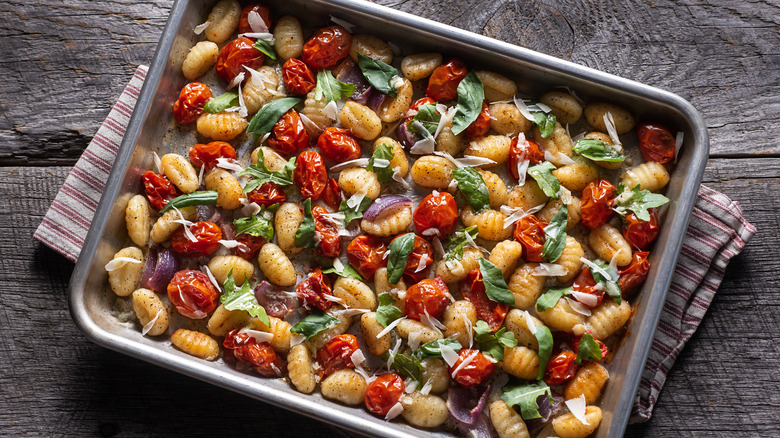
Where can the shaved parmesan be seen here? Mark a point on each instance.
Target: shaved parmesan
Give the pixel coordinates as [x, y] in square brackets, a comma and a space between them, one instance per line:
[243, 112]
[577, 306]
[577, 407]
[438, 248]
[256, 22]
[331, 110]
[609, 122]
[465, 363]
[157, 162]
[490, 358]
[201, 27]
[308, 123]
[432, 322]
[544, 107]
[118, 262]
[514, 214]
[230, 244]
[424, 262]
[186, 224]
[678, 142]
[558, 158]
[472, 161]
[359, 162]
[529, 322]
[258, 335]
[424, 146]
[390, 327]
[200, 175]
[426, 389]
[586, 299]
[394, 351]
[397, 82]
[265, 36]
[469, 329]
[229, 164]
[213, 280]
[414, 340]
[523, 109]
[250, 208]
[448, 354]
[296, 339]
[522, 170]
[596, 268]
[345, 24]
[357, 357]
[190, 304]
[446, 117]
[565, 195]
[236, 80]
[381, 163]
[409, 385]
[449, 157]
[258, 78]
[355, 200]
[149, 325]
[549, 270]
[335, 299]
[399, 179]
[348, 313]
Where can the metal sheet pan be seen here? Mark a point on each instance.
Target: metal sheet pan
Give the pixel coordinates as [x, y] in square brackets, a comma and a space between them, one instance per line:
[149, 129]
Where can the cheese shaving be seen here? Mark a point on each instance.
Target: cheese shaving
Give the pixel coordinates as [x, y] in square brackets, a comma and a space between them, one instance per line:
[596, 268]
[397, 82]
[230, 244]
[345, 24]
[397, 177]
[348, 313]
[213, 280]
[357, 357]
[522, 170]
[296, 339]
[469, 329]
[424, 262]
[414, 340]
[588, 300]
[157, 162]
[577, 407]
[256, 22]
[187, 302]
[549, 270]
[465, 363]
[200, 175]
[678, 142]
[355, 200]
[364, 372]
[609, 122]
[523, 109]
[359, 162]
[558, 158]
[250, 208]
[118, 262]
[490, 359]
[514, 214]
[243, 111]
[432, 322]
[150, 325]
[201, 27]
[394, 411]
[472, 161]
[265, 36]
[258, 78]
[426, 389]
[409, 385]
[448, 354]
[449, 157]
[577, 306]
[394, 351]
[446, 117]
[236, 80]
[331, 110]
[335, 299]
[426, 145]
[229, 164]
[259, 336]
[438, 248]
[308, 123]
[390, 327]
[186, 224]
[565, 195]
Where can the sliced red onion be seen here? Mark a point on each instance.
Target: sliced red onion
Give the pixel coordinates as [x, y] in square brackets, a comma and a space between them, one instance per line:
[208, 213]
[385, 205]
[349, 73]
[376, 99]
[228, 230]
[161, 265]
[466, 404]
[276, 302]
[406, 137]
[480, 429]
[546, 410]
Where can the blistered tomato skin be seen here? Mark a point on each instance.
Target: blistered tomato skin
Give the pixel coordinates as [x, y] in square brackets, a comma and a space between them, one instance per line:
[521, 151]
[289, 134]
[641, 233]
[192, 293]
[529, 231]
[337, 354]
[436, 215]
[331, 196]
[328, 239]
[560, 368]
[584, 283]
[243, 22]
[443, 83]
[480, 126]
[207, 237]
[475, 372]
[310, 174]
[632, 278]
[326, 47]
[189, 106]
[159, 190]
[656, 143]
[383, 393]
[312, 290]
[339, 145]
[208, 154]
[366, 254]
[427, 297]
[473, 289]
[236, 55]
[298, 77]
[260, 356]
[267, 194]
[598, 198]
[250, 246]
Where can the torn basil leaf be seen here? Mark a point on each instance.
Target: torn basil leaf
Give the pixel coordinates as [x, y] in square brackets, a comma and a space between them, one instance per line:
[263, 122]
[380, 75]
[379, 163]
[598, 150]
[638, 201]
[306, 235]
[400, 249]
[550, 298]
[473, 186]
[495, 286]
[314, 323]
[387, 312]
[242, 298]
[542, 174]
[555, 236]
[471, 93]
[222, 102]
[330, 89]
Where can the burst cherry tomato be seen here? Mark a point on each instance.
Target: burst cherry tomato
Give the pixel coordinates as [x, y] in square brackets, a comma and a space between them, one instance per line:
[260, 356]
[475, 372]
[443, 83]
[159, 190]
[422, 253]
[529, 231]
[427, 296]
[383, 393]
[189, 106]
[236, 55]
[656, 143]
[338, 145]
[289, 134]
[519, 152]
[326, 47]
[328, 239]
[208, 154]
[337, 354]
[641, 233]
[331, 196]
[575, 344]
[250, 246]
[207, 237]
[192, 293]
[634, 275]
[313, 289]
[298, 77]
[561, 368]
[598, 198]
[267, 194]
[436, 215]
[585, 283]
[310, 174]
[366, 254]
[473, 289]
[480, 126]
[243, 22]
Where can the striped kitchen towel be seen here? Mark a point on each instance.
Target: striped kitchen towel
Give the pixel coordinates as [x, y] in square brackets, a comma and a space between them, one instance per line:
[717, 232]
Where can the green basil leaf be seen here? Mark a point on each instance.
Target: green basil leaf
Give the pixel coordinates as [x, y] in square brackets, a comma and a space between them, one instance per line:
[549, 184]
[406, 366]
[550, 298]
[267, 49]
[261, 175]
[555, 236]
[314, 323]
[428, 117]
[598, 150]
[222, 102]
[588, 350]
[356, 212]
[470, 97]
[242, 298]
[195, 198]
[473, 186]
[400, 249]
[526, 397]
[495, 286]
[378, 74]
[610, 282]
[638, 201]
[544, 119]
[330, 89]
[257, 225]
[306, 235]
[387, 312]
[454, 244]
[379, 163]
[263, 122]
[346, 271]
[433, 348]
[545, 339]
[493, 343]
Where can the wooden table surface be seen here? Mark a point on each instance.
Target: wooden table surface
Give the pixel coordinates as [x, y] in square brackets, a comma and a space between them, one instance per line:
[64, 63]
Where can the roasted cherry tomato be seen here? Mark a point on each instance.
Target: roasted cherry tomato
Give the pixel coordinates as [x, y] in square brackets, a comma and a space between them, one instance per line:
[656, 143]
[313, 289]
[521, 151]
[243, 22]
[575, 344]
[598, 198]
[207, 237]
[331, 196]
[383, 393]
[289, 134]
[436, 215]
[641, 233]
[327, 231]
[480, 126]
[298, 77]
[236, 55]
[634, 275]
[419, 103]
[250, 246]
[326, 47]
[267, 194]
[427, 297]
[189, 106]
[338, 145]
[192, 293]
[310, 174]
[337, 354]
[159, 190]
[473, 289]
[584, 283]
[478, 369]
[366, 254]
[208, 154]
[561, 368]
[422, 253]
[529, 231]
[443, 83]
[259, 355]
